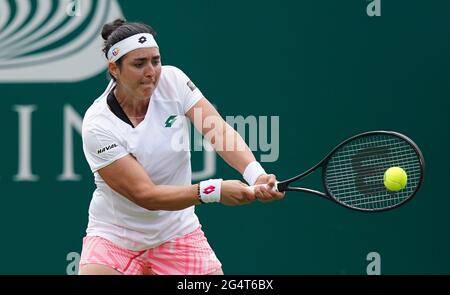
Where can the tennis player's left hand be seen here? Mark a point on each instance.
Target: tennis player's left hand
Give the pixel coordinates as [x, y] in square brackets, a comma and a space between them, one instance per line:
[264, 194]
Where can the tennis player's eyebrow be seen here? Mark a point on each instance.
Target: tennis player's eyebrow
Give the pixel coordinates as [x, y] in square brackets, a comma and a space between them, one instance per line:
[143, 59]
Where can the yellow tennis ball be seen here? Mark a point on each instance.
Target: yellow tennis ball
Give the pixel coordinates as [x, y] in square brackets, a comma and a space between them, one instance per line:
[395, 179]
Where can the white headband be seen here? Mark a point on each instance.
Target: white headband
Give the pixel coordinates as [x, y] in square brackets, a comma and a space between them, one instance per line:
[121, 48]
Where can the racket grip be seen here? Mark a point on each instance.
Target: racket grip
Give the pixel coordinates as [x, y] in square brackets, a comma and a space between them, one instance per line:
[252, 188]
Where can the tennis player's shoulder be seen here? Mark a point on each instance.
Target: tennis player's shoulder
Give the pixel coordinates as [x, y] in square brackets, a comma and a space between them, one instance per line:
[98, 107]
[96, 114]
[170, 72]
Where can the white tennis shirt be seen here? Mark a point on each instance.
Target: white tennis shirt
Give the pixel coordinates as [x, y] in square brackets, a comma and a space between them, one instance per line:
[106, 138]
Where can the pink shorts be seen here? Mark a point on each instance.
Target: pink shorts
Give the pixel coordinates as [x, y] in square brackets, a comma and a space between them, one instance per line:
[187, 255]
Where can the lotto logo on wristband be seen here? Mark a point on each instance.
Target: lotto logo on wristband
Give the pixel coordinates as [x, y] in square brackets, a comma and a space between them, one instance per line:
[209, 189]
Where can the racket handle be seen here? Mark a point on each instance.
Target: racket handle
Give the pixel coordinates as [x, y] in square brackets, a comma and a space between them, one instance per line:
[252, 188]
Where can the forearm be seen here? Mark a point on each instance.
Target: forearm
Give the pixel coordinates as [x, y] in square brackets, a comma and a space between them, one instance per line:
[167, 197]
[225, 140]
[233, 150]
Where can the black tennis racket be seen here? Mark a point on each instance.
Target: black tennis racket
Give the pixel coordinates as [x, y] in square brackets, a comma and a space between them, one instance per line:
[352, 173]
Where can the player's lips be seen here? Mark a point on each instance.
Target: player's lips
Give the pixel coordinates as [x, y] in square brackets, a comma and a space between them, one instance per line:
[148, 84]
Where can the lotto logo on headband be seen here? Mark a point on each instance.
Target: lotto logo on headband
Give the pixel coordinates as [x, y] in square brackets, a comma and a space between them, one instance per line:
[209, 189]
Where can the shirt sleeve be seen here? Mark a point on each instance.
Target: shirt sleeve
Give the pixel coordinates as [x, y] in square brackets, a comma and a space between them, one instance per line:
[189, 93]
[101, 148]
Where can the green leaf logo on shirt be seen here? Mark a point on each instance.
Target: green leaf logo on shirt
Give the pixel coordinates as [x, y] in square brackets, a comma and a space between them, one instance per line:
[170, 121]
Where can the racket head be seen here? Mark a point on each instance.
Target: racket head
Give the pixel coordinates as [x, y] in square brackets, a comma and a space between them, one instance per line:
[353, 172]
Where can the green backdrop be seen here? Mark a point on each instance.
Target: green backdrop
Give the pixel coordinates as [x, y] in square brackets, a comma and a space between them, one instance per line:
[326, 68]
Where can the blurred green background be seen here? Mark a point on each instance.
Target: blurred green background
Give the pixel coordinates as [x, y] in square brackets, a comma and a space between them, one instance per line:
[326, 68]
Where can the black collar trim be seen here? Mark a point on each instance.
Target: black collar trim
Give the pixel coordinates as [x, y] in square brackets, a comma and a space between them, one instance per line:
[117, 109]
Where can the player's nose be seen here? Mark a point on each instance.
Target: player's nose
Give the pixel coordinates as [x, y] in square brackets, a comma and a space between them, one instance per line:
[150, 71]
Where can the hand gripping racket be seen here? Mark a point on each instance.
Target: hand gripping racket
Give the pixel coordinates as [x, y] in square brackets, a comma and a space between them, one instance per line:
[352, 173]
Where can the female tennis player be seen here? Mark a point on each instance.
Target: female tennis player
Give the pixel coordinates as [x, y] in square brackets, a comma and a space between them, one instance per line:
[141, 217]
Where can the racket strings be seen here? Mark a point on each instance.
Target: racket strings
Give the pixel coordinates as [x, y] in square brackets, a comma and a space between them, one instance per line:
[354, 174]
[368, 174]
[367, 171]
[397, 151]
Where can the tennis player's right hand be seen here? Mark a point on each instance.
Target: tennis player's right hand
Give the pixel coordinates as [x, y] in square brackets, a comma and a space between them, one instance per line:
[235, 192]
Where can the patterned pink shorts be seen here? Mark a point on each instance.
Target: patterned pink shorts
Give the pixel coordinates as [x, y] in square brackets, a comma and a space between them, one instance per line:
[187, 255]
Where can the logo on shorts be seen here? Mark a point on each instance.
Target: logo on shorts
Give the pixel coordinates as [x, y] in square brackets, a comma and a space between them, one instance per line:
[170, 121]
[208, 190]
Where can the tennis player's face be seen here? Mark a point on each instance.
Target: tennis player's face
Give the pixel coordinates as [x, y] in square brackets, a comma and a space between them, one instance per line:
[140, 72]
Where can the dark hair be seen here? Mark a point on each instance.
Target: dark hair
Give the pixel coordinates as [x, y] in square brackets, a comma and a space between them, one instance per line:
[119, 30]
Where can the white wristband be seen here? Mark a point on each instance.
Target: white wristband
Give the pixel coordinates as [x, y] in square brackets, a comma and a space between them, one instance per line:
[210, 190]
[252, 172]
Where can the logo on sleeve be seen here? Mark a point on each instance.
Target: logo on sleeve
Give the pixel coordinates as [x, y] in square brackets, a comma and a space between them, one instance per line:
[105, 149]
[191, 85]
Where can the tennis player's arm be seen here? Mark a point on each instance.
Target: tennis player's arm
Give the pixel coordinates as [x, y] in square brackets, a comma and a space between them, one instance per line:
[225, 140]
[127, 177]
